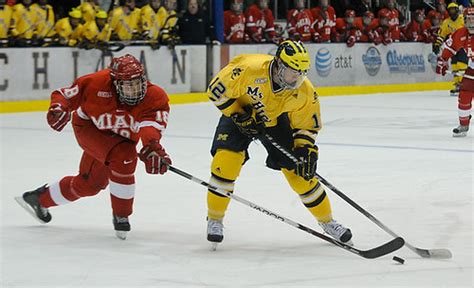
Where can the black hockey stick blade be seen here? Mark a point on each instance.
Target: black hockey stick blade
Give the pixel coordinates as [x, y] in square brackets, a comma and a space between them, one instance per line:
[385, 249]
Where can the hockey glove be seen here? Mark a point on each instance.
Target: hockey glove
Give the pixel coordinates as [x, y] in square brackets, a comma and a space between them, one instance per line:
[58, 116]
[247, 123]
[155, 158]
[441, 66]
[350, 42]
[308, 157]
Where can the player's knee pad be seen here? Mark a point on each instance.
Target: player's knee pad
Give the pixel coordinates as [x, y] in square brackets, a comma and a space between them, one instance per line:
[227, 164]
[122, 159]
[311, 192]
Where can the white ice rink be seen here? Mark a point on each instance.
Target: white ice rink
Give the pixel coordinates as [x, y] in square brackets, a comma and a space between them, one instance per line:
[393, 154]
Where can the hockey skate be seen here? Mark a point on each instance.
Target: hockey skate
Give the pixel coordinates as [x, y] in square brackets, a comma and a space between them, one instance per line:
[121, 226]
[30, 202]
[215, 232]
[337, 231]
[455, 91]
[460, 131]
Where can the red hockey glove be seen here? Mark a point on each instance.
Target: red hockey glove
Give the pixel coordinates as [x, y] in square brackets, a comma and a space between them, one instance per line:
[441, 66]
[155, 158]
[316, 37]
[387, 40]
[58, 116]
[351, 41]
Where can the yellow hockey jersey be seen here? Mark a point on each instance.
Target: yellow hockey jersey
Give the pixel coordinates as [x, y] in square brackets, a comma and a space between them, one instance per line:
[68, 35]
[5, 20]
[448, 26]
[23, 21]
[149, 21]
[88, 10]
[167, 21]
[247, 80]
[44, 20]
[124, 25]
[92, 33]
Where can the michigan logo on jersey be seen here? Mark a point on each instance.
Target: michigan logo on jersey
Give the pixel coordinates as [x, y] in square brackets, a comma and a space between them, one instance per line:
[236, 73]
[254, 93]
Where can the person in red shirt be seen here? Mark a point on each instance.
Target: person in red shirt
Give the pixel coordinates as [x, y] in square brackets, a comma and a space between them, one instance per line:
[368, 26]
[113, 109]
[325, 21]
[463, 38]
[431, 26]
[234, 23]
[414, 30]
[393, 20]
[346, 29]
[260, 23]
[387, 32]
[300, 24]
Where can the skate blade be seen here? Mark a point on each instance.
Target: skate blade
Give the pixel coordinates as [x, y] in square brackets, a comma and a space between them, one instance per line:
[213, 246]
[28, 209]
[458, 135]
[122, 235]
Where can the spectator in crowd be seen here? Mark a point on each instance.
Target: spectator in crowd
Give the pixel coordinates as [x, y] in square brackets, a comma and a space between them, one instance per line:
[44, 15]
[234, 23]
[168, 19]
[431, 26]
[89, 9]
[368, 27]
[125, 20]
[193, 25]
[150, 26]
[68, 30]
[324, 21]
[300, 24]
[346, 29]
[260, 23]
[414, 30]
[23, 23]
[6, 13]
[362, 6]
[96, 32]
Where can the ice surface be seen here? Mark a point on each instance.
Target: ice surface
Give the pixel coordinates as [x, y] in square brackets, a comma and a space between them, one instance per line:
[393, 154]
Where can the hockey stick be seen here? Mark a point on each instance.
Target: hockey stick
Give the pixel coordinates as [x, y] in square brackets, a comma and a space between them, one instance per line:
[376, 252]
[425, 253]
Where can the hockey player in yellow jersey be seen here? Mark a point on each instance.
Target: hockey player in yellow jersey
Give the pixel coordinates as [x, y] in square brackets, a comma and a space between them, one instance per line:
[150, 26]
[44, 15]
[23, 23]
[68, 30]
[89, 9]
[261, 94]
[97, 31]
[5, 19]
[167, 19]
[124, 21]
[458, 61]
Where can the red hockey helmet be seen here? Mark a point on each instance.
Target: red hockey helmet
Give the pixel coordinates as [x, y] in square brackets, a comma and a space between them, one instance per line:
[349, 16]
[419, 15]
[128, 76]
[383, 15]
[469, 19]
[435, 17]
[368, 18]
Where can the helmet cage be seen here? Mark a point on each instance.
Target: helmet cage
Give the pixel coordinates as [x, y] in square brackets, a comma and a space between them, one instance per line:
[469, 23]
[131, 91]
[285, 72]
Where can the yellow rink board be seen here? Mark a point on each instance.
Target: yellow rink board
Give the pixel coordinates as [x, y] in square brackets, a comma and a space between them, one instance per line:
[42, 105]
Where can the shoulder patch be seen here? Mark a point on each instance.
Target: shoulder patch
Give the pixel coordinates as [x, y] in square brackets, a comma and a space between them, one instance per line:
[236, 72]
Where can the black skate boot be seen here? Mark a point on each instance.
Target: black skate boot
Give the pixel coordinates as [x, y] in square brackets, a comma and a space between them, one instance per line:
[460, 131]
[30, 202]
[455, 91]
[121, 226]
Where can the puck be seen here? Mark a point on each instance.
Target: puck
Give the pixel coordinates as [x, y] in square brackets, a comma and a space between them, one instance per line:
[398, 259]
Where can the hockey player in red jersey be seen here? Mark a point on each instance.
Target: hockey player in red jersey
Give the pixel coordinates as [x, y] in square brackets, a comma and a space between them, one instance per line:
[414, 32]
[389, 33]
[325, 21]
[431, 26]
[346, 29]
[113, 110]
[368, 27]
[463, 38]
[300, 24]
[260, 23]
[234, 23]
